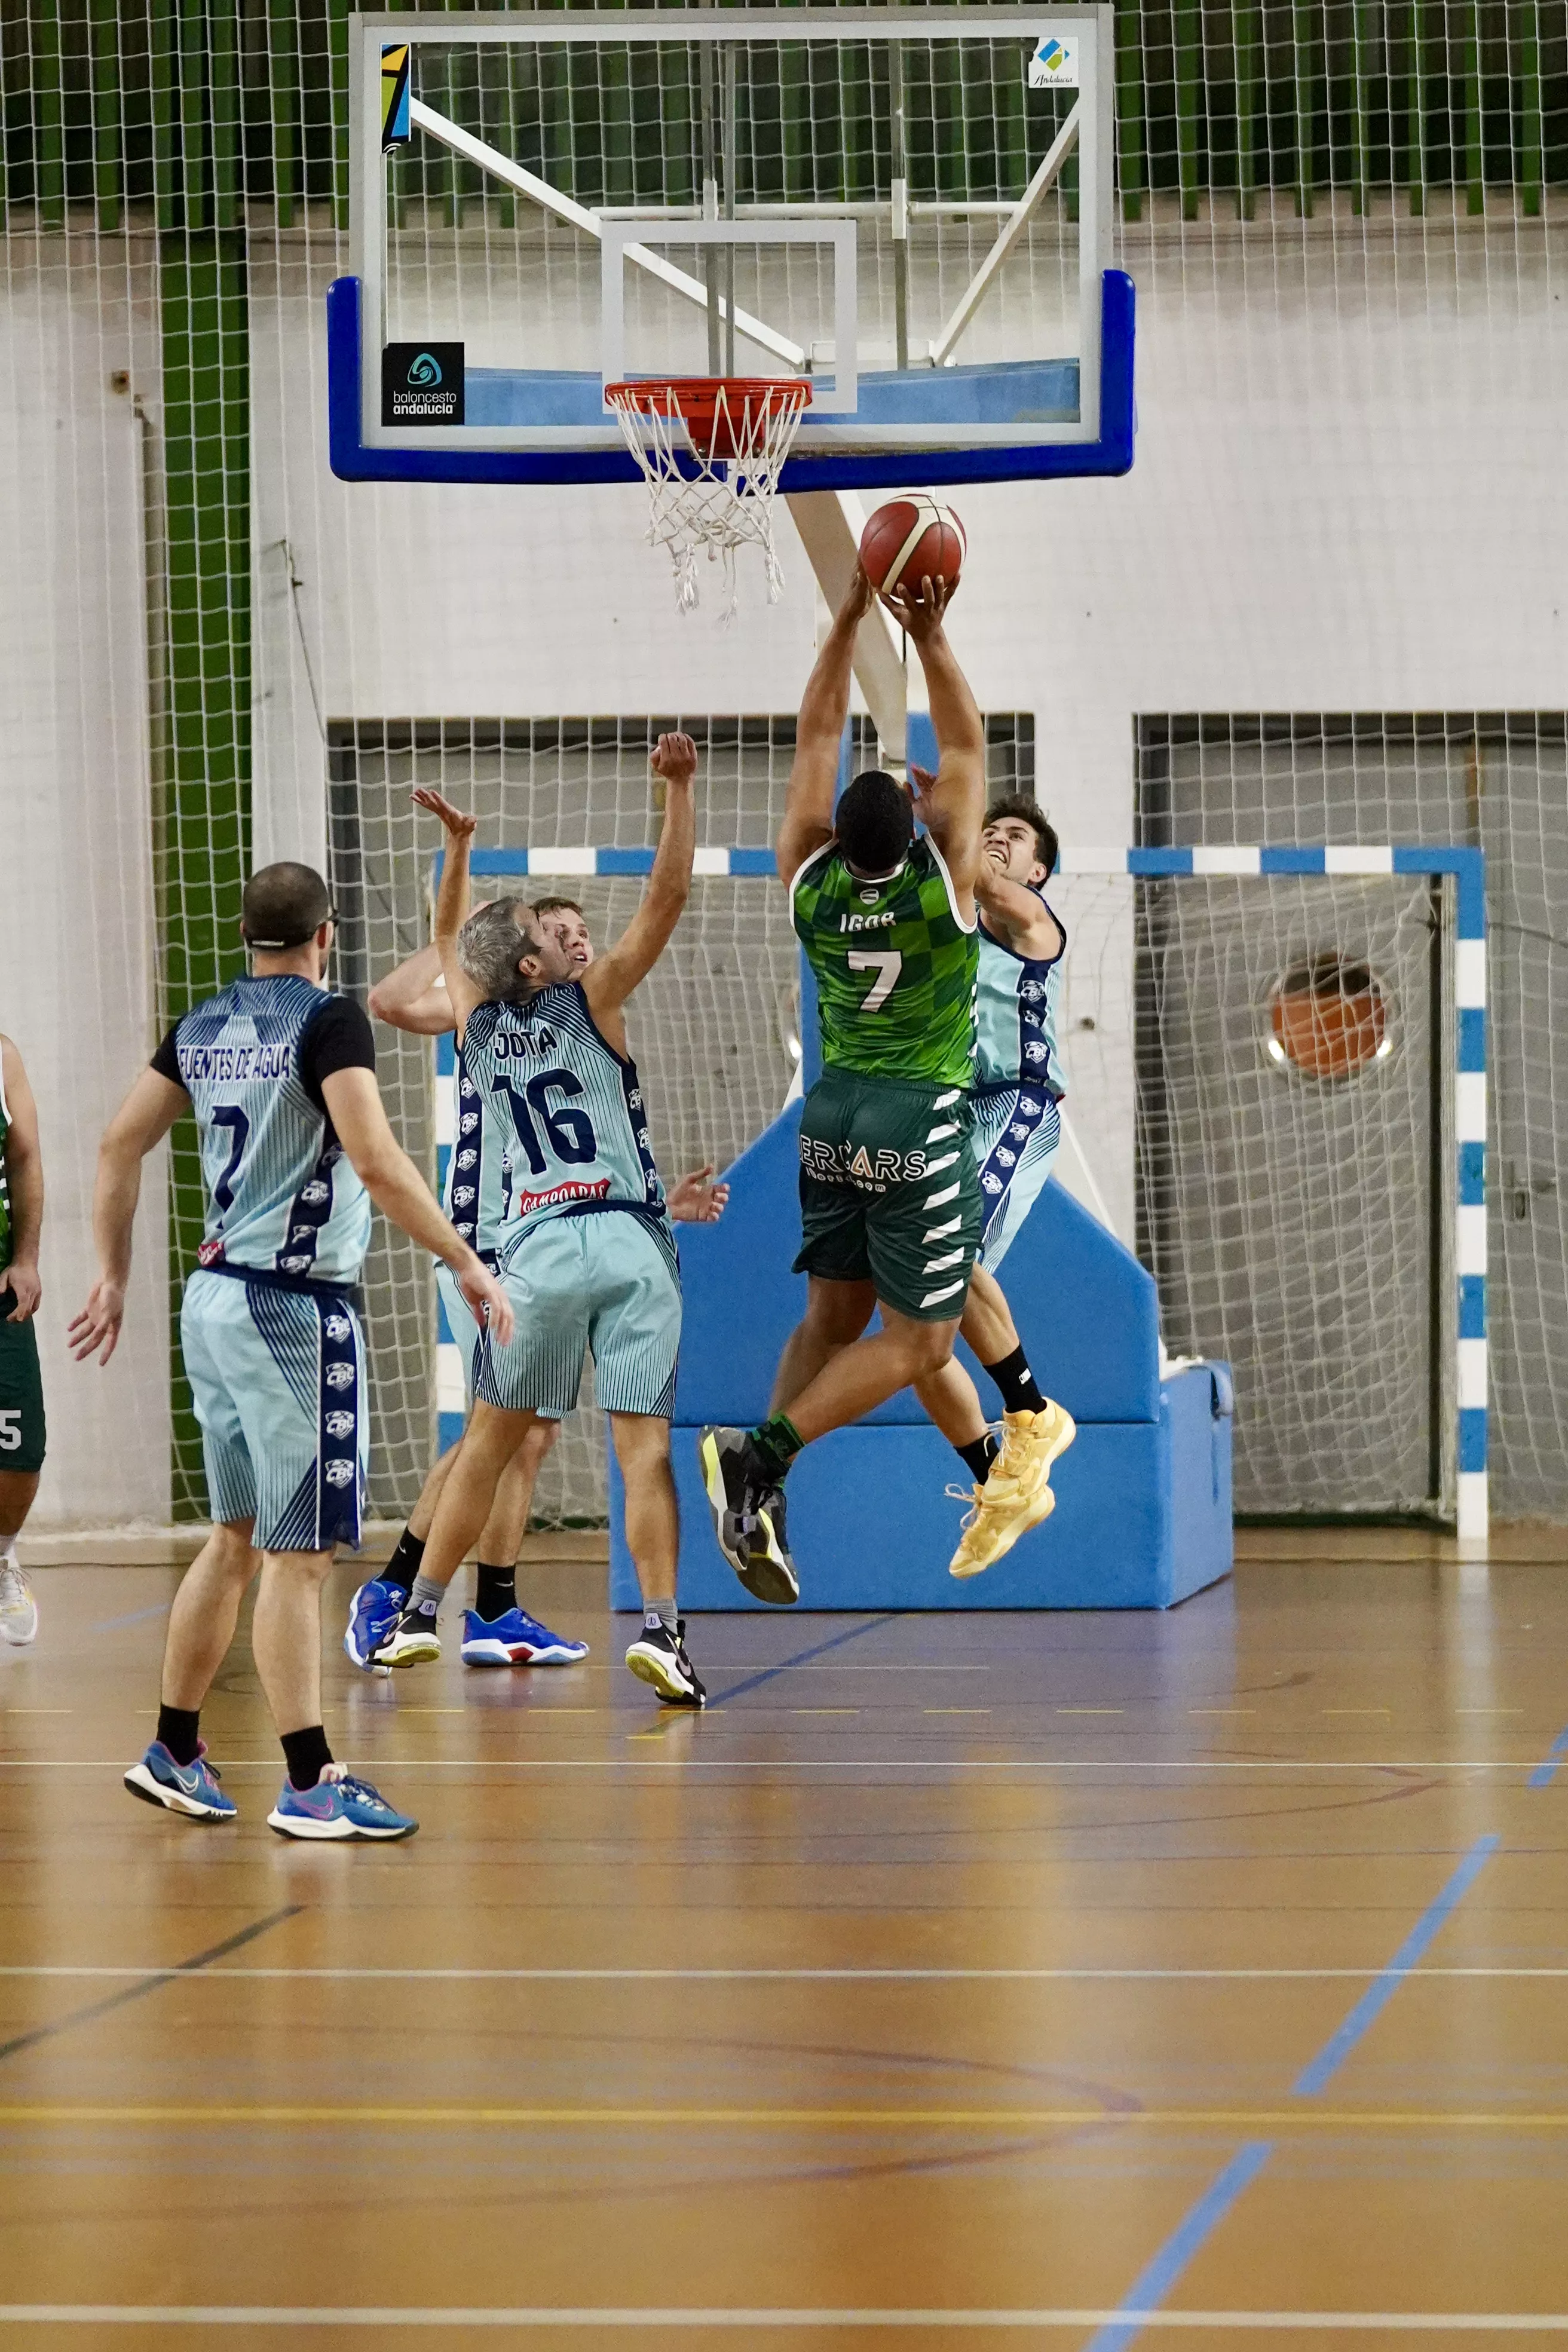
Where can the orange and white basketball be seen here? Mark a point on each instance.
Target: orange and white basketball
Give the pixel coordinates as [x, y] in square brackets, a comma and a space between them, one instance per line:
[911, 539]
[1329, 1018]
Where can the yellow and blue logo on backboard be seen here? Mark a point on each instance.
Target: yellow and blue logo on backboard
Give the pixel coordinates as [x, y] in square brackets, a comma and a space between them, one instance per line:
[395, 130]
[1054, 64]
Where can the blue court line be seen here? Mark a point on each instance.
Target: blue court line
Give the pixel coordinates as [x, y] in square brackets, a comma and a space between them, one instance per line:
[1545, 1772]
[1154, 2283]
[801, 1657]
[113, 1624]
[1383, 1987]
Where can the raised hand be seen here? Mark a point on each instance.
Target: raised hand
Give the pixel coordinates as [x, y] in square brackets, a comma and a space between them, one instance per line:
[919, 616]
[458, 823]
[674, 757]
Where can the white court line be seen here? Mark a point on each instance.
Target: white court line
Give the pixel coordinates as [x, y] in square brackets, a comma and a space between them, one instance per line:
[119, 2314]
[219, 1975]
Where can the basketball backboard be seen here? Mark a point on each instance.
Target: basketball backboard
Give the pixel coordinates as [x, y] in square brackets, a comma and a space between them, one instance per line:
[907, 208]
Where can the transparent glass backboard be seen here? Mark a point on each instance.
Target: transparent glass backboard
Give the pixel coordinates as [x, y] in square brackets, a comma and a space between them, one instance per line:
[907, 208]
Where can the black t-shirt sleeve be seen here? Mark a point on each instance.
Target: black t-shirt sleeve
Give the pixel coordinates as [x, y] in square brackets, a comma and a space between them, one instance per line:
[166, 1061]
[339, 1038]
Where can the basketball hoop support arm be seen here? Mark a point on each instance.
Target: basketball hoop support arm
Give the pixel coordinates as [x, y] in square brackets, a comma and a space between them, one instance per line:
[830, 523]
[550, 200]
[1012, 229]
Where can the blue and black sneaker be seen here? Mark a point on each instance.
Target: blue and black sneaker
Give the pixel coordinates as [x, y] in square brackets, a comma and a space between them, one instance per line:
[516, 1639]
[340, 1806]
[372, 1613]
[188, 1789]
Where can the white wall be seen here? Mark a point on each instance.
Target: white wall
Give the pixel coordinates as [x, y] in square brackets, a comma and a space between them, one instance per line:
[75, 880]
[1347, 496]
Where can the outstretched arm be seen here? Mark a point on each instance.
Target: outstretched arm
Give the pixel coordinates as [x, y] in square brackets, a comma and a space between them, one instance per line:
[611, 978]
[359, 1121]
[953, 807]
[140, 1123]
[807, 819]
[25, 1176]
[1016, 916]
[413, 996]
[452, 902]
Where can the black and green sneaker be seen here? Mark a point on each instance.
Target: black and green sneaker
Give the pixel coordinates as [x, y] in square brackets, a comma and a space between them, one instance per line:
[747, 1505]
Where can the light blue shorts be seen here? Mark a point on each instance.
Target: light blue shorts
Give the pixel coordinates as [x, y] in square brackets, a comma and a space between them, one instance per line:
[279, 1386]
[461, 1328]
[1014, 1138]
[604, 1284]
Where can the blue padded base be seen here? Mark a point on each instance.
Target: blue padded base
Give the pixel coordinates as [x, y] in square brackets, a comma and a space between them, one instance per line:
[1143, 1520]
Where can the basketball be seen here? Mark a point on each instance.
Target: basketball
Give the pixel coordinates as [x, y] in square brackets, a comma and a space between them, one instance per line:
[911, 539]
[1329, 1019]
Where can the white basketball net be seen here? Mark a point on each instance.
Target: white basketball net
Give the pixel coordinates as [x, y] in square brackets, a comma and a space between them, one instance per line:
[728, 502]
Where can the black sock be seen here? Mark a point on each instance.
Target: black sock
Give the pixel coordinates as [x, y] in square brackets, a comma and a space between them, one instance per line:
[405, 1564]
[980, 1456]
[495, 1591]
[1017, 1382]
[177, 1730]
[307, 1755]
[775, 1443]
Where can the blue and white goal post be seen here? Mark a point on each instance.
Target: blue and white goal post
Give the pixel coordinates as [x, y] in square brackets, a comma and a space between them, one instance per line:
[1464, 867]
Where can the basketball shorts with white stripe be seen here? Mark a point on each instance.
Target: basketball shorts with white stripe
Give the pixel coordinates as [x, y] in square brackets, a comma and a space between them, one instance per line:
[890, 1192]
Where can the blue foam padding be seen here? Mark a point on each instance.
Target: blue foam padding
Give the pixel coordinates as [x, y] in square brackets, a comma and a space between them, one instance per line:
[1086, 1310]
[1143, 1520]
[1013, 392]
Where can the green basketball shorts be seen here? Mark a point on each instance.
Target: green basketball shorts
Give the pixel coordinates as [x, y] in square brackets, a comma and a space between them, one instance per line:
[890, 1192]
[21, 1391]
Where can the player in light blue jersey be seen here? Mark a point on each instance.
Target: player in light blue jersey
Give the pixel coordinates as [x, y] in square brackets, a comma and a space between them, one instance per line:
[587, 1255]
[295, 1147]
[498, 1631]
[1013, 1137]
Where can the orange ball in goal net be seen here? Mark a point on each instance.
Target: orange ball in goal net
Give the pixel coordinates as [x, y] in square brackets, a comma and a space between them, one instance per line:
[1329, 1018]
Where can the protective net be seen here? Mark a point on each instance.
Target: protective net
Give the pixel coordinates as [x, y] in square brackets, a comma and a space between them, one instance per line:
[1345, 226]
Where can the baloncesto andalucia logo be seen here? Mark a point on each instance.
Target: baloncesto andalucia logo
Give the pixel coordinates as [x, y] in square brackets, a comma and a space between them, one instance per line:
[422, 384]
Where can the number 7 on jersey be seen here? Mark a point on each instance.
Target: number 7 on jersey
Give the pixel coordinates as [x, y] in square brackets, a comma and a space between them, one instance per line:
[887, 966]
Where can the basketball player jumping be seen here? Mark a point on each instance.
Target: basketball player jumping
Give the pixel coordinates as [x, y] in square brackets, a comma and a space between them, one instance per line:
[890, 1196]
[496, 1631]
[587, 1255]
[295, 1147]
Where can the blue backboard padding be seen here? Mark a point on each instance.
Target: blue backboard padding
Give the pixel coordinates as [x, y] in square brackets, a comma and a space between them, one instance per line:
[1143, 1520]
[1111, 454]
[1086, 1310]
[1013, 392]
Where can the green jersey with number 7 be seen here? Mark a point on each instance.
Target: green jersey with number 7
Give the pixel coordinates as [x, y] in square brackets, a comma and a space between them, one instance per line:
[895, 964]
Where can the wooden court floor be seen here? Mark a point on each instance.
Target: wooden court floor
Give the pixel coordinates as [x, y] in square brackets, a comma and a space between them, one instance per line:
[1086, 1980]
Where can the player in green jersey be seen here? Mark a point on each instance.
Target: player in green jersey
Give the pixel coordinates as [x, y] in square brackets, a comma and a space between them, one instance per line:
[21, 1389]
[891, 1200]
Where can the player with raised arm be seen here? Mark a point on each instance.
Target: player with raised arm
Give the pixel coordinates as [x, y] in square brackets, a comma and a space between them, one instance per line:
[496, 1631]
[22, 1435]
[295, 1147]
[1016, 1130]
[891, 1200]
[587, 1257]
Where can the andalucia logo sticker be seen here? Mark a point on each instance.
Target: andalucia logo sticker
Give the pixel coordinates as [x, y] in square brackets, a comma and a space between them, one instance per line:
[1054, 64]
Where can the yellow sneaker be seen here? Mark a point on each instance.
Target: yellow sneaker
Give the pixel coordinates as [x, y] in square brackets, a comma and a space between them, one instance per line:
[1017, 1494]
[1031, 1442]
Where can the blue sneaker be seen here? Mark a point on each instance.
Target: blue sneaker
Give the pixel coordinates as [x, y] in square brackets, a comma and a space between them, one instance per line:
[190, 1789]
[372, 1613]
[339, 1806]
[516, 1640]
